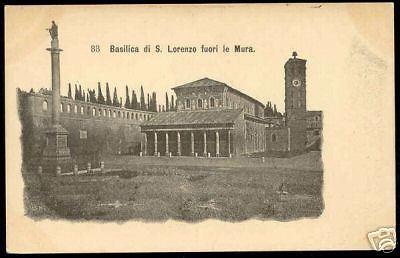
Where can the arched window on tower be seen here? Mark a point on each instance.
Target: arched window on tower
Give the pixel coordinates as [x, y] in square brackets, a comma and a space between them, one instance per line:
[212, 102]
[273, 137]
[45, 105]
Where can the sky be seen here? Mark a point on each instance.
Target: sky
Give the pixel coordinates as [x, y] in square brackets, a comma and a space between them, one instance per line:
[320, 35]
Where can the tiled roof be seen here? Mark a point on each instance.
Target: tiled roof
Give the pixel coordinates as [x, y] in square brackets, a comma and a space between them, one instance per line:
[194, 117]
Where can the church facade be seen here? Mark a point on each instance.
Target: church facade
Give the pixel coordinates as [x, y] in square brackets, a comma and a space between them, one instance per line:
[213, 119]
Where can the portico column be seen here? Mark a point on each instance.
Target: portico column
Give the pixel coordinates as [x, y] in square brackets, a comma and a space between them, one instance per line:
[192, 143]
[145, 144]
[166, 145]
[178, 138]
[217, 143]
[205, 143]
[155, 144]
[229, 142]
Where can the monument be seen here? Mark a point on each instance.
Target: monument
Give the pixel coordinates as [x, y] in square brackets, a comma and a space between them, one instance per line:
[56, 153]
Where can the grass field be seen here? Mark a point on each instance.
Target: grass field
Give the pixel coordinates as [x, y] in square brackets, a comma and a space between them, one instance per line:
[189, 189]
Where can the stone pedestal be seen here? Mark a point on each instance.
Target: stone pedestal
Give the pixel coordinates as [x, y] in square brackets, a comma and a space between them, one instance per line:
[56, 153]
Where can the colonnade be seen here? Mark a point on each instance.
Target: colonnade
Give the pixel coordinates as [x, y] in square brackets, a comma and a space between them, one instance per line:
[208, 144]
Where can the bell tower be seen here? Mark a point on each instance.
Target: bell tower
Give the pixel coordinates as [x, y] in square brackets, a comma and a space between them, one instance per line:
[295, 101]
[295, 87]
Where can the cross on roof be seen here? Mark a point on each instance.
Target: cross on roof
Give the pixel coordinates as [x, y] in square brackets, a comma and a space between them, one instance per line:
[294, 54]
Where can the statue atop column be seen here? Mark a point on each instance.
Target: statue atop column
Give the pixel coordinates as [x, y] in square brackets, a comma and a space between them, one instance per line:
[53, 30]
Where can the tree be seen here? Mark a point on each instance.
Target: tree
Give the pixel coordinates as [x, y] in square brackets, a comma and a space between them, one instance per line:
[154, 102]
[100, 97]
[115, 98]
[81, 97]
[172, 103]
[142, 101]
[127, 100]
[268, 111]
[134, 103]
[69, 91]
[108, 95]
[92, 96]
[166, 102]
[76, 93]
[148, 101]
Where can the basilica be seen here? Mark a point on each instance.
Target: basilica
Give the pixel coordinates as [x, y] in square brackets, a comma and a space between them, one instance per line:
[214, 119]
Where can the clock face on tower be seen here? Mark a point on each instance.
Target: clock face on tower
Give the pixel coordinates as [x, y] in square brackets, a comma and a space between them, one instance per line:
[296, 83]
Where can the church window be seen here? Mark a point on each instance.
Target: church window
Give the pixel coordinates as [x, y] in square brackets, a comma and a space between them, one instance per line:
[199, 103]
[317, 118]
[136, 116]
[93, 112]
[68, 108]
[76, 108]
[99, 112]
[45, 105]
[119, 114]
[212, 102]
[273, 137]
[82, 110]
[61, 107]
[104, 112]
[187, 101]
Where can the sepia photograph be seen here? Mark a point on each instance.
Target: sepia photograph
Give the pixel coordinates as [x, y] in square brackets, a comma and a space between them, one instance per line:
[146, 116]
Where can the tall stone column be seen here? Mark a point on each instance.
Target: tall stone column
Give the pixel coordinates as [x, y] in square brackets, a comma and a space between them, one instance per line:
[145, 144]
[55, 81]
[205, 143]
[178, 139]
[155, 144]
[56, 153]
[192, 143]
[217, 143]
[229, 142]
[166, 144]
